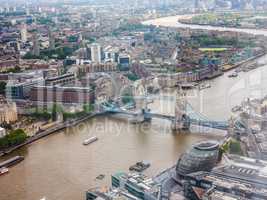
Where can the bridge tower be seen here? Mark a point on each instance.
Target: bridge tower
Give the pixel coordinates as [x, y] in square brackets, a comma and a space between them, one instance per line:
[181, 121]
[231, 127]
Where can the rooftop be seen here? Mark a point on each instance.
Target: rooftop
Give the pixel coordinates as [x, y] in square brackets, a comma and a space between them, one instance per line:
[207, 145]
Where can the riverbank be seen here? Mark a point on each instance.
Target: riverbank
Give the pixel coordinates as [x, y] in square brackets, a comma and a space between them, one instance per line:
[182, 21]
[226, 19]
[49, 131]
[173, 21]
[244, 62]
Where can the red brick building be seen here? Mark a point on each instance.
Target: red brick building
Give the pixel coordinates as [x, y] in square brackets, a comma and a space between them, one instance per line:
[64, 95]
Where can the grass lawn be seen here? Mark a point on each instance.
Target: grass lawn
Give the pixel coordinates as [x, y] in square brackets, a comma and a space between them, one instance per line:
[213, 49]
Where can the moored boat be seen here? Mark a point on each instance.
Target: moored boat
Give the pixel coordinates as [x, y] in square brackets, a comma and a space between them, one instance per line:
[3, 170]
[139, 166]
[236, 108]
[189, 85]
[100, 177]
[12, 161]
[233, 75]
[204, 86]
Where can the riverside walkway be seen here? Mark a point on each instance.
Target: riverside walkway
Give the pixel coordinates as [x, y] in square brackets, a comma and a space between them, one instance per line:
[60, 126]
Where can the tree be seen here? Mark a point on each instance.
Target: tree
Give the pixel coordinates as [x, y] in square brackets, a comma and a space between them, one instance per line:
[15, 137]
[54, 113]
[13, 70]
[87, 108]
[177, 37]
[73, 38]
[41, 115]
[132, 77]
[148, 36]
[235, 147]
[2, 87]
[127, 98]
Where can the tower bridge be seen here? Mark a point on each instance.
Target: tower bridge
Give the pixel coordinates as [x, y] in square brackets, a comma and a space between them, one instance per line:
[185, 115]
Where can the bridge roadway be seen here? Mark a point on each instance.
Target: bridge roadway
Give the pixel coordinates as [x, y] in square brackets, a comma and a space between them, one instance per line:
[196, 118]
[199, 122]
[149, 115]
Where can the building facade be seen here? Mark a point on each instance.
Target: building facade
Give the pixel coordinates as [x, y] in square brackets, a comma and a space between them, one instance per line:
[62, 95]
[96, 53]
[60, 80]
[8, 112]
[97, 67]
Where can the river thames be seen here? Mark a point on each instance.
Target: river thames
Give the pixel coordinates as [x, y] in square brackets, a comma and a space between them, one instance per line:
[60, 167]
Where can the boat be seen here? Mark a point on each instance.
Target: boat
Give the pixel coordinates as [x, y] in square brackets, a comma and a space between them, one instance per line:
[187, 86]
[100, 177]
[236, 108]
[12, 161]
[138, 119]
[239, 69]
[90, 140]
[204, 86]
[139, 166]
[233, 75]
[3, 170]
[250, 67]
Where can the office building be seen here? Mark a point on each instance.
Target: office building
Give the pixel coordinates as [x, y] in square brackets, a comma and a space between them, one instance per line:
[36, 45]
[51, 40]
[124, 59]
[19, 89]
[62, 95]
[96, 53]
[109, 194]
[64, 79]
[23, 33]
[202, 156]
[137, 185]
[97, 67]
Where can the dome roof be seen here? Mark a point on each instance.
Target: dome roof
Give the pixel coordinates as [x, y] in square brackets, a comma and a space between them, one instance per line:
[203, 156]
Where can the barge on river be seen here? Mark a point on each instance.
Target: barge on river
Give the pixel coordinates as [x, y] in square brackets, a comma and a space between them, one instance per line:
[12, 161]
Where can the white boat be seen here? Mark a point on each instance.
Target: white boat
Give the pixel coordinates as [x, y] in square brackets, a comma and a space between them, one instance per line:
[236, 108]
[237, 70]
[3, 170]
[189, 85]
[90, 140]
[204, 86]
[233, 75]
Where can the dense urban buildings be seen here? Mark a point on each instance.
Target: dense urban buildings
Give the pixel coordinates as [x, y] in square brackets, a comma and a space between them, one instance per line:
[172, 90]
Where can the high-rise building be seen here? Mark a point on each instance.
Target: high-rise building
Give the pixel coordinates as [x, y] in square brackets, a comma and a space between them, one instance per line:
[27, 11]
[124, 59]
[36, 46]
[196, 4]
[51, 40]
[23, 33]
[7, 8]
[96, 53]
[80, 39]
